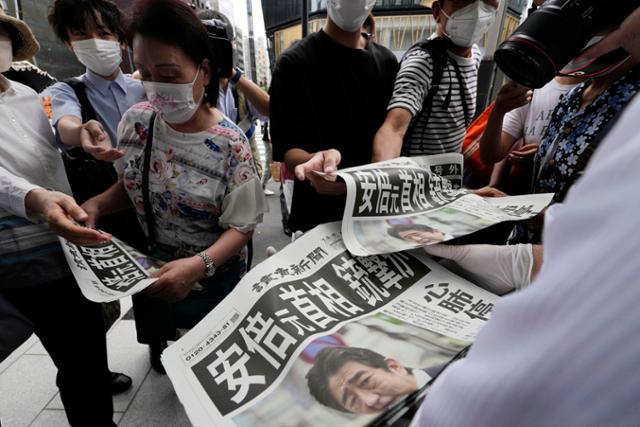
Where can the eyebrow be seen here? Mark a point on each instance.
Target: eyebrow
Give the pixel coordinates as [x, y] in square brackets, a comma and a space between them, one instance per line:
[356, 377]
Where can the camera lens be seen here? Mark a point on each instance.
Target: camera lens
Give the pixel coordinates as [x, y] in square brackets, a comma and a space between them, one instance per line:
[546, 42]
[525, 62]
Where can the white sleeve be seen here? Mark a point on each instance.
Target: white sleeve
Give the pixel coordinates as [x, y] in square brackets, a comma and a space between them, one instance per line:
[514, 121]
[13, 191]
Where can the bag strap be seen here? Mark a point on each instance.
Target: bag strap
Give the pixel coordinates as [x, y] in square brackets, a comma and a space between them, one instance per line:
[146, 197]
[80, 89]
[437, 49]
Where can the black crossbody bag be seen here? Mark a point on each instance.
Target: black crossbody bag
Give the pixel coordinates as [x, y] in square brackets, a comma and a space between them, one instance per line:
[146, 195]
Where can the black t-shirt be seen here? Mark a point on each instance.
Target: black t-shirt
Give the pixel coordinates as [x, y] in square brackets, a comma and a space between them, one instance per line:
[325, 95]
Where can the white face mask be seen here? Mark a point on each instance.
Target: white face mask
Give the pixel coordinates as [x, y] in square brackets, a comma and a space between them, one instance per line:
[349, 15]
[174, 100]
[6, 55]
[465, 27]
[103, 57]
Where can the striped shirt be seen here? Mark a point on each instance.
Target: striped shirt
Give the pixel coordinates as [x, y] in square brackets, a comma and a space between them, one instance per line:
[446, 127]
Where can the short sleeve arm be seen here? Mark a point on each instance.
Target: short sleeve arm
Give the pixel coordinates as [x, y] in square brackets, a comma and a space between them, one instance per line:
[244, 203]
[514, 121]
[287, 110]
[13, 192]
[64, 102]
[412, 82]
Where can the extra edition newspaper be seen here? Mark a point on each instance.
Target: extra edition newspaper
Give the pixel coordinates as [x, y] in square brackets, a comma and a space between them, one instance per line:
[407, 203]
[314, 336]
[109, 271]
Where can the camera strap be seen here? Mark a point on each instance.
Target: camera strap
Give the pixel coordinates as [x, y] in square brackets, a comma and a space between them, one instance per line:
[146, 197]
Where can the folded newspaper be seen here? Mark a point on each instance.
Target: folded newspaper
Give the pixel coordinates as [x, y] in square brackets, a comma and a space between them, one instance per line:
[314, 336]
[109, 271]
[407, 203]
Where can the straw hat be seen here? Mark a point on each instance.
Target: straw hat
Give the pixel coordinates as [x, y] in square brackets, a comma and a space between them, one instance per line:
[26, 46]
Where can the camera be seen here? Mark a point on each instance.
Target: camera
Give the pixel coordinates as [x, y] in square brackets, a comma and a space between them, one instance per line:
[554, 34]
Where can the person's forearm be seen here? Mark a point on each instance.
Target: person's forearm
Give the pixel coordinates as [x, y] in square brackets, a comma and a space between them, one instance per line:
[492, 149]
[538, 256]
[295, 157]
[499, 175]
[69, 129]
[228, 245]
[255, 94]
[387, 144]
[115, 199]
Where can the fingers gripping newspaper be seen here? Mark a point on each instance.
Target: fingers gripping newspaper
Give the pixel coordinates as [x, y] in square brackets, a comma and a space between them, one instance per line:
[314, 336]
[407, 203]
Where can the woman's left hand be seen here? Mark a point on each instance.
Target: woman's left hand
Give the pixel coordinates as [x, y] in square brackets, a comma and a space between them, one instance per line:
[176, 278]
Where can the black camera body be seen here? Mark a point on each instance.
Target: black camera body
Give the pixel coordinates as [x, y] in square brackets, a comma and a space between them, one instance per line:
[555, 34]
[221, 43]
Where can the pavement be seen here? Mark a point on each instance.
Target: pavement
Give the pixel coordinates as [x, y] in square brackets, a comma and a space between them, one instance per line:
[29, 396]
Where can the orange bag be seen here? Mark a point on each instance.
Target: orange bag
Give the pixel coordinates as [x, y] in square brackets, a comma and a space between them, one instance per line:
[476, 173]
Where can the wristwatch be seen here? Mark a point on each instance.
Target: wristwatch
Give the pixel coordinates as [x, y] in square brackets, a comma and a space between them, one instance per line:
[237, 76]
[209, 265]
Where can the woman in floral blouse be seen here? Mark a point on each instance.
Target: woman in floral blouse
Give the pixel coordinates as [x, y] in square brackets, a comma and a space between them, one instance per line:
[577, 125]
[205, 195]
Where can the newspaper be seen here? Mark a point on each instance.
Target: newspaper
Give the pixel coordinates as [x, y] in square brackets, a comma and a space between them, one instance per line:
[271, 354]
[109, 271]
[407, 203]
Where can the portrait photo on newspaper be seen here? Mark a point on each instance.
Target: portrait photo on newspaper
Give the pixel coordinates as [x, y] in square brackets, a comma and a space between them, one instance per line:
[314, 336]
[407, 203]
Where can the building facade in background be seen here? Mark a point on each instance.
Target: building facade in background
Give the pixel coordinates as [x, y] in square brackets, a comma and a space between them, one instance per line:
[263, 77]
[399, 24]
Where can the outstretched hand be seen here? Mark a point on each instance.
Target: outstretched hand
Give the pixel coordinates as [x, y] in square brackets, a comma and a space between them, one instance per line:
[320, 171]
[95, 141]
[63, 214]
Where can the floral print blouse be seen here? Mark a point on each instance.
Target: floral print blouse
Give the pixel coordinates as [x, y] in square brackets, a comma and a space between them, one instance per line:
[573, 133]
[200, 184]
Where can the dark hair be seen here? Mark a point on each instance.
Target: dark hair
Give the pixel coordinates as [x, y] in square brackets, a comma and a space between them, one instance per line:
[397, 229]
[328, 361]
[69, 15]
[370, 22]
[207, 15]
[14, 35]
[174, 22]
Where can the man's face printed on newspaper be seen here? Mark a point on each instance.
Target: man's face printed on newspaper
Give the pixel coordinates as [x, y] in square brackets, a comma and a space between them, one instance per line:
[366, 390]
[422, 237]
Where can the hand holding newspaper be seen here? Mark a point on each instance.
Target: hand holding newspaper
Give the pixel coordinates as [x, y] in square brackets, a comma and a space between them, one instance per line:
[109, 271]
[407, 203]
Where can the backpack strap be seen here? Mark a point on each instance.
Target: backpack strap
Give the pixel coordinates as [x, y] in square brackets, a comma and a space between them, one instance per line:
[437, 49]
[236, 101]
[80, 89]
